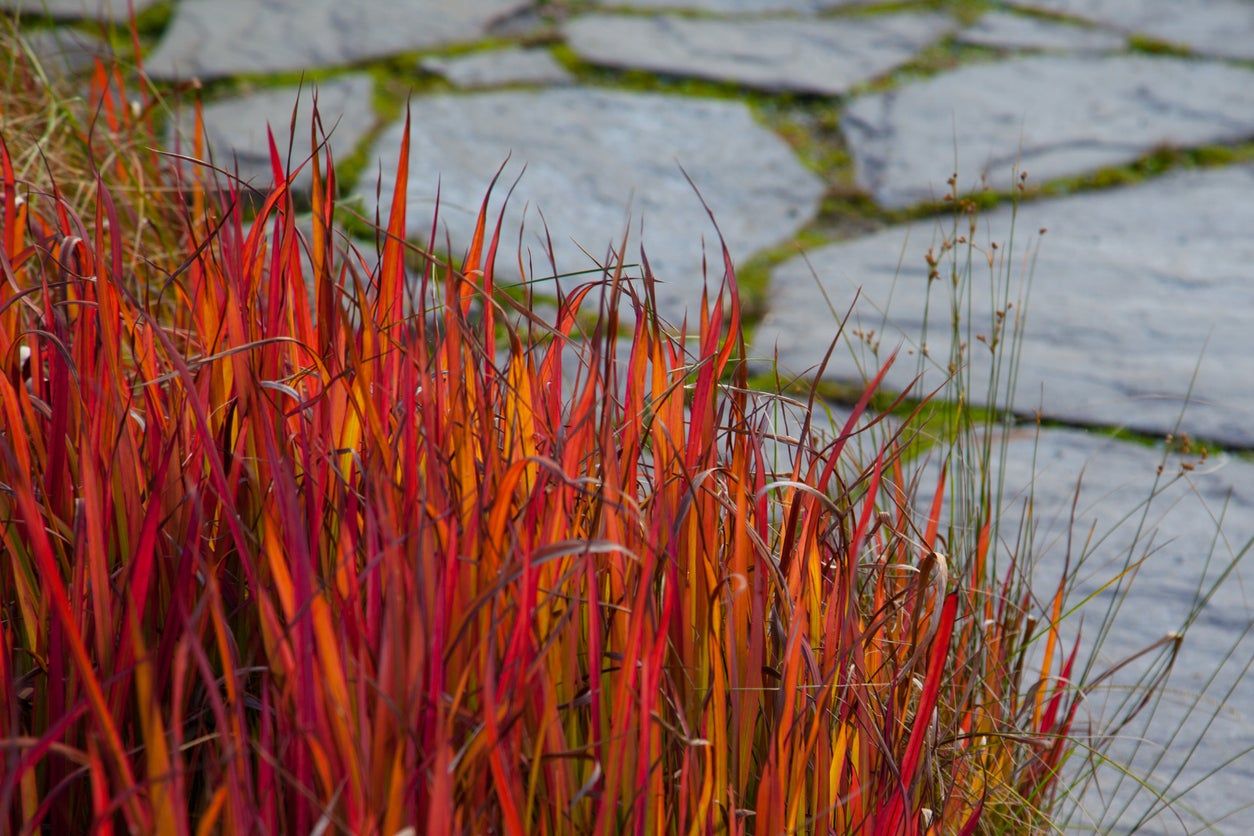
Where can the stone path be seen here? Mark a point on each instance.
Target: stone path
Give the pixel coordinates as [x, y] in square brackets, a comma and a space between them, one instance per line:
[1055, 116]
[731, 7]
[106, 10]
[1002, 30]
[66, 51]
[823, 56]
[215, 38]
[590, 157]
[1222, 28]
[1116, 322]
[499, 68]
[860, 113]
[236, 127]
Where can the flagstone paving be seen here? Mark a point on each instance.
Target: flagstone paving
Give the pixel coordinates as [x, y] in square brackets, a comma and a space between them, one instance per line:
[591, 156]
[214, 38]
[1132, 289]
[1056, 116]
[1003, 30]
[825, 56]
[236, 127]
[1220, 28]
[499, 67]
[66, 51]
[737, 6]
[117, 11]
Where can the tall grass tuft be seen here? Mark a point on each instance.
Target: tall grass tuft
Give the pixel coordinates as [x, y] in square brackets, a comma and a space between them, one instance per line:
[300, 538]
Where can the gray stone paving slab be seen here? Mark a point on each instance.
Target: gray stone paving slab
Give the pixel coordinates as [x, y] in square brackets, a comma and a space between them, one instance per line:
[1221, 28]
[65, 51]
[237, 126]
[1058, 115]
[1130, 287]
[590, 155]
[1184, 550]
[825, 56]
[499, 67]
[114, 11]
[215, 38]
[731, 7]
[528, 24]
[1002, 30]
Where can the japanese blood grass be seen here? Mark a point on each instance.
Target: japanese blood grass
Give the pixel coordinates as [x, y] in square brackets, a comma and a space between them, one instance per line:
[291, 546]
[273, 569]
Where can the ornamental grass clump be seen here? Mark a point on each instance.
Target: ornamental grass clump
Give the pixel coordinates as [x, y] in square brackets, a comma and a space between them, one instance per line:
[300, 537]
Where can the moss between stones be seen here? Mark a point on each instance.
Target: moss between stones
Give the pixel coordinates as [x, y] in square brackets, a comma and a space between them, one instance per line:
[849, 210]
[152, 21]
[644, 81]
[943, 56]
[1153, 46]
[967, 11]
[1154, 164]
[939, 420]
[149, 25]
[753, 275]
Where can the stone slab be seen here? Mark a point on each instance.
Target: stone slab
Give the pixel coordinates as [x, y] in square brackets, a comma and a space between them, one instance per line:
[111, 11]
[824, 57]
[236, 127]
[530, 24]
[1001, 30]
[1184, 551]
[500, 67]
[64, 51]
[1220, 28]
[590, 157]
[1058, 116]
[215, 38]
[1130, 287]
[732, 7]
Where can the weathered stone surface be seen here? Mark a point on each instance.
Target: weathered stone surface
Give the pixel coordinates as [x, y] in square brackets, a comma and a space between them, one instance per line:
[115, 11]
[1058, 115]
[499, 67]
[825, 56]
[1130, 287]
[1222, 28]
[528, 24]
[590, 157]
[213, 38]
[1175, 536]
[736, 6]
[1001, 30]
[65, 51]
[237, 126]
